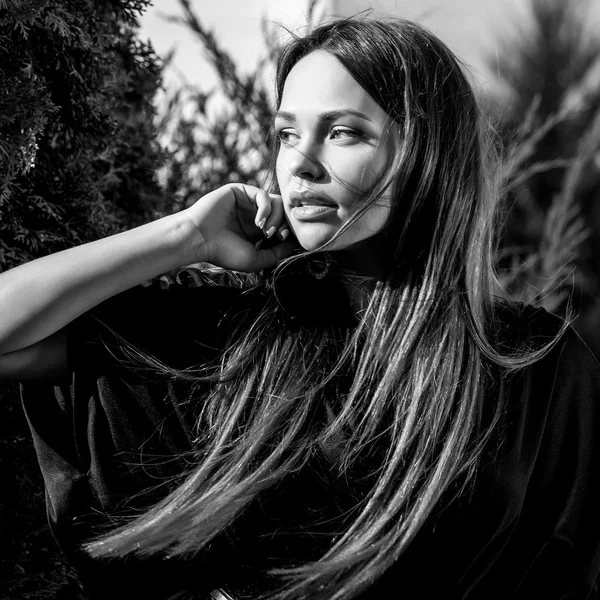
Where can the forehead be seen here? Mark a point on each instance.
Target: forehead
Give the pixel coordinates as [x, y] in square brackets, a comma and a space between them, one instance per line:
[320, 83]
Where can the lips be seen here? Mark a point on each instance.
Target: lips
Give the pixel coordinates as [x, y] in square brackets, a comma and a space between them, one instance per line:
[307, 199]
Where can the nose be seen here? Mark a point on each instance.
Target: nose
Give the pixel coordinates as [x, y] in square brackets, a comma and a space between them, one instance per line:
[304, 163]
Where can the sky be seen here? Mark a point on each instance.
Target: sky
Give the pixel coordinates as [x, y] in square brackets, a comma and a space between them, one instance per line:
[236, 23]
[473, 28]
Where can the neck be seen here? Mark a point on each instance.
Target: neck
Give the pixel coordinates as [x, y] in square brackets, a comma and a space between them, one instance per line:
[361, 266]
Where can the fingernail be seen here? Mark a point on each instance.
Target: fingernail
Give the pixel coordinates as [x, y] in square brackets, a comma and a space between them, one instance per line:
[261, 223]
[284, 233]
[270, 231]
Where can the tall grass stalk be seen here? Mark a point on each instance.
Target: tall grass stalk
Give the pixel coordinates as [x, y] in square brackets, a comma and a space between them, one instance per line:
[551, 174]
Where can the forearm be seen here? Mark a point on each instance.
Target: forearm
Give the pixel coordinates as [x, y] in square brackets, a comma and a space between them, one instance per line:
[41, 297]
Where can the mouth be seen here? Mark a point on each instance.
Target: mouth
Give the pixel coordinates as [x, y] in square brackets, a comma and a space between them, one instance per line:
[312, 207]
[310, 199]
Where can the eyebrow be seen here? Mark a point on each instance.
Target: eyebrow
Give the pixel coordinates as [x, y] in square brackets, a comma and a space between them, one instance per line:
[331, 115]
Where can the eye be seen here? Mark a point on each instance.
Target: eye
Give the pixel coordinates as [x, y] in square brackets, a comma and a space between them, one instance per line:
[286, 135]
[341, 133]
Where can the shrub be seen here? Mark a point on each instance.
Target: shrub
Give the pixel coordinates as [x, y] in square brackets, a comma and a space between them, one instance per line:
[78, 156]
[77, 143]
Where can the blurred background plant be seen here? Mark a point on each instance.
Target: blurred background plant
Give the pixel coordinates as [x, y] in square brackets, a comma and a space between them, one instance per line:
[83, 154]
[549, 250]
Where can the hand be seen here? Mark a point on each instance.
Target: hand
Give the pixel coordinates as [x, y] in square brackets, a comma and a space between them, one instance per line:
[232, 220]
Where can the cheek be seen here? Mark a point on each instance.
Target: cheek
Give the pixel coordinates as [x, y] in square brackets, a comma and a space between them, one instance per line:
[363, 172]
[286, 210]
[376, 218]
[280, 171]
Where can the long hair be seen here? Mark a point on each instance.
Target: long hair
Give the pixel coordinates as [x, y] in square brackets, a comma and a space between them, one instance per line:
[415, 368]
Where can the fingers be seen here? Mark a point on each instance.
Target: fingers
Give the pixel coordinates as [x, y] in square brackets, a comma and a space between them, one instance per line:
[269, 257]
[270, 216]
[263, 208]
[284, 231]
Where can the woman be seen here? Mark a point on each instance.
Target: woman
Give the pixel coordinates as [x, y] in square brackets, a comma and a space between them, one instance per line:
[368, 418]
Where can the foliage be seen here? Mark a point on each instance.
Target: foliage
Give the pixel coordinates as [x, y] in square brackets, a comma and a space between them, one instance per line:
[77, 142]
[78, 155]
[551, 170]
[210, 149]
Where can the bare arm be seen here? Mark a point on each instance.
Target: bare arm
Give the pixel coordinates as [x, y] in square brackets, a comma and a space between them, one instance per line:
[39, 298]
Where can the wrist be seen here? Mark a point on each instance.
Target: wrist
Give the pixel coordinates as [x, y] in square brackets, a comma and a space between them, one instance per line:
[189, 239]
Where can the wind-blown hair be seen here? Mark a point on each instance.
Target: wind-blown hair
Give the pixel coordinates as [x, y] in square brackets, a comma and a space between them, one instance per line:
[419, 361]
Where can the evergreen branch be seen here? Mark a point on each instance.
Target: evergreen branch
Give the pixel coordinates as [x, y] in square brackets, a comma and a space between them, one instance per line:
[218, 57]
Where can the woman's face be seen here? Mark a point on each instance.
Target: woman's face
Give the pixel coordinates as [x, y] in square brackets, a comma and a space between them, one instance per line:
[335, 144]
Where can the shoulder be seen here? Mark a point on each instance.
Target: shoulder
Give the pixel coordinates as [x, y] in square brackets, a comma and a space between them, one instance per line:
[542, 463]
[562, 350]
[552, 403]
[521, 326]
[558, 364]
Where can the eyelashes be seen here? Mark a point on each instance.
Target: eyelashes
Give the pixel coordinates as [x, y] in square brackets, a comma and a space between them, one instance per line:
[283, 135]
[345, 132]
[287, 135]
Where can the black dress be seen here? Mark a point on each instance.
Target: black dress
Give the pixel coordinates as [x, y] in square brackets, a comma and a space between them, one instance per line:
[108, 440]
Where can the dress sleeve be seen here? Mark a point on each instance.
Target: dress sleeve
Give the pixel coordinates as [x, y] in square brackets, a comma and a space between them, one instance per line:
[111, 438]
[177, 320]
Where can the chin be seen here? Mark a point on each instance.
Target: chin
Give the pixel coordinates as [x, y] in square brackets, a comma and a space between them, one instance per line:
[312, 245]
[313, 240]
